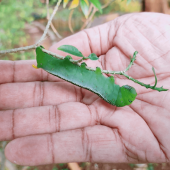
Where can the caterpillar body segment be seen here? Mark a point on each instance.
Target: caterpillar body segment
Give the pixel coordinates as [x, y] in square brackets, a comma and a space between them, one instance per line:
[94, 81]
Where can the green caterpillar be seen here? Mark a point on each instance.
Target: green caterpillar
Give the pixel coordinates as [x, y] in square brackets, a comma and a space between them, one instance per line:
[94, 81]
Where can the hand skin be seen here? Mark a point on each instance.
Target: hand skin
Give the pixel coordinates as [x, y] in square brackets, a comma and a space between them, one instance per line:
[52, 121]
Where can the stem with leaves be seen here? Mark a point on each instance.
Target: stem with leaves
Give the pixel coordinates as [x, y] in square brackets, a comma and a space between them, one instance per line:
[74, 51]
[48, 17]
[92, 7]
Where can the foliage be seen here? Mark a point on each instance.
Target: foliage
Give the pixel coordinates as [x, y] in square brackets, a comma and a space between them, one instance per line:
[84, 5]
[120, 7]
[74, 51]
[13, 16]
[150, 166]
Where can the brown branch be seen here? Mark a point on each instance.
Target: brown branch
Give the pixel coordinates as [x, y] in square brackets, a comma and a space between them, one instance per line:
[87, 20]
[49, 22]
[52, 26]
[93, 13]
[40, 40]
[74, 166]
[69, 20]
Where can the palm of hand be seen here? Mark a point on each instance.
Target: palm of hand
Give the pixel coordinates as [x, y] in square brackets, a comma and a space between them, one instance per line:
[96, 130]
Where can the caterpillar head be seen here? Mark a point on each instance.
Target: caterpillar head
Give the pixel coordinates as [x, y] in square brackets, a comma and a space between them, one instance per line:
[126, 96]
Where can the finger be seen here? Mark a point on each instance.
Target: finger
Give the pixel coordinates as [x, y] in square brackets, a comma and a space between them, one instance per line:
[45, 119]
[91, 144]
[22, 71]
[157, 116]
[33, 94]
[96, 40]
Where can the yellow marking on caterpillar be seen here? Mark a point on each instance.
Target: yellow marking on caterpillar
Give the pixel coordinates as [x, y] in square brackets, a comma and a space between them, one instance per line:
[34, 66]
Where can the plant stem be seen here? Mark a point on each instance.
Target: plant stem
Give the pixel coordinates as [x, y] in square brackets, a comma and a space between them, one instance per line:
[115, 72]
[131, 61]
[52, 26]
[145, 85]
[69, 21]
[130, 78]
[49, 22]
[41, 39]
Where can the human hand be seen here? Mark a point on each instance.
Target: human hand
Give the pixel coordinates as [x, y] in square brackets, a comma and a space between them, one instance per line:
[55, 121]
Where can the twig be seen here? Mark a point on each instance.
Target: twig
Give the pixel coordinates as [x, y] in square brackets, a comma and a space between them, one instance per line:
[41, 39]
[42, 28]
[69, 20]
[132, 60]
[145, 85]
[116, 72]
[15, 50]
[48, 24]
[61, 57]
[90, 18]
[93, 13]
[52, 26]
[74, 166]
[53, 54]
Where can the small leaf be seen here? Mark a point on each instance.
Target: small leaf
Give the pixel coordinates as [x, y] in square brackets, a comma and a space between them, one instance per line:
[87, 2]
[65, 3]
[97, 4]
[93, 56]
[71, 50]
[74, 4]
[85, 7]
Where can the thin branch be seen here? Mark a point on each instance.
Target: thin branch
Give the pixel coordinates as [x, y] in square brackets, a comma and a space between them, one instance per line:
[55, 31]
[90, 18]
[132, 60]
[69, 20]
[53, 54]
[49, 22]
[41, 39]
[40, 26]
[93, 13]
[74, 166]
[52, 26]
[116, 72]
[61, 57]
[145, 85]
[15, 50]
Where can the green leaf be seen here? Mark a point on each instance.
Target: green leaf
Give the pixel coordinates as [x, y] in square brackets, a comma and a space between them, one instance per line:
[97, 4]
[93, 56]
[84, 7]
[71, 50]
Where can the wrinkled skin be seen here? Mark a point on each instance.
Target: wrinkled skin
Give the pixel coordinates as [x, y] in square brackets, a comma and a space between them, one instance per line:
[54, 121]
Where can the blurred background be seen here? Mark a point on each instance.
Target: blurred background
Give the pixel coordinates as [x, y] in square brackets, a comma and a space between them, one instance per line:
[26, 23]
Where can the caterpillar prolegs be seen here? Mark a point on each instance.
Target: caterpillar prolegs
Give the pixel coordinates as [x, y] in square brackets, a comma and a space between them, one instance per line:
[94, 81]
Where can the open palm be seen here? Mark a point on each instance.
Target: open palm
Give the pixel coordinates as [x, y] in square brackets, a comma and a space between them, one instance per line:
[56, 121]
